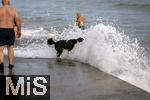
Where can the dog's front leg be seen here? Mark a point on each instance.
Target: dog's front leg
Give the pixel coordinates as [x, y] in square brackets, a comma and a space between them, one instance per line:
[58, 55]
[58, 59]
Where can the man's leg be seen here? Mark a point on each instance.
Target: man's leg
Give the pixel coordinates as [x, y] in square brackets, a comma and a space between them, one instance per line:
[1, 59]
[10, 56]
[1, 54]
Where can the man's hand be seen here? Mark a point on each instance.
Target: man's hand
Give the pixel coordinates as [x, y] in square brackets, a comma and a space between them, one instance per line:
[18, 34]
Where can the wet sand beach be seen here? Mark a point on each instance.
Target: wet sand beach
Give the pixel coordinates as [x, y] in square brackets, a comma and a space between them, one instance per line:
[72, 80]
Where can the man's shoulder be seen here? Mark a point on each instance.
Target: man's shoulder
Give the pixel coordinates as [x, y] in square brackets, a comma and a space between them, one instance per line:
[1, 8]
[12, 8]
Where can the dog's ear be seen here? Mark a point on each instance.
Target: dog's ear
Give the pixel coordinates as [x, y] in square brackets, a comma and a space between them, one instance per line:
[80, 39]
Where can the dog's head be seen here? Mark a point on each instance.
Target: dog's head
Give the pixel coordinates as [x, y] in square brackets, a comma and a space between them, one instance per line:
[50, 41]
[80, 39]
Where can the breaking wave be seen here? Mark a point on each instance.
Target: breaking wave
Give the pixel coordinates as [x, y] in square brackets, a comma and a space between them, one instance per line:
[104, 47]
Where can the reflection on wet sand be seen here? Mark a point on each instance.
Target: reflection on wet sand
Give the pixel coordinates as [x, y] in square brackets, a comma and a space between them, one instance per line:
[3, 89]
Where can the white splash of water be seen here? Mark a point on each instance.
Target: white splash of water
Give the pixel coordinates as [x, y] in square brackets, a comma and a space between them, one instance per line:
[104, 47]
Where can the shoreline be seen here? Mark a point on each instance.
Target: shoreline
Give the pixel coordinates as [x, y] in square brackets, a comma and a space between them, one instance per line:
[71, 80]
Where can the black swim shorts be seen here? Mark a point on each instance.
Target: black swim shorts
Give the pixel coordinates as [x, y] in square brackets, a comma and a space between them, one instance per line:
[7, 36]
[82, 27]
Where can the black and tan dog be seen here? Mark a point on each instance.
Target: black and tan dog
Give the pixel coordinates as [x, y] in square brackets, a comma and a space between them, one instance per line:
[64, 44]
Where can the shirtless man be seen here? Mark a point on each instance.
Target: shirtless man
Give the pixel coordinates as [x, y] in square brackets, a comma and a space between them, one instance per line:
[80, 20]
[9, 18]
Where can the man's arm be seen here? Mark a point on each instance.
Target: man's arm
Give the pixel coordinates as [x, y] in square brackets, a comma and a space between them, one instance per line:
[18, 24]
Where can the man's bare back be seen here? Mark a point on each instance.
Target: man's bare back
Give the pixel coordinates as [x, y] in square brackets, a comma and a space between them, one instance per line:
[80, 21]
[7, 17]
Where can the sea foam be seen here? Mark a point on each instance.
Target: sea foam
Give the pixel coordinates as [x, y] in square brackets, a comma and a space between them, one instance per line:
[103, 47]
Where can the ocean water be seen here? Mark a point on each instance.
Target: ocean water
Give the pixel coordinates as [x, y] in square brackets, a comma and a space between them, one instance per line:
[117, 35]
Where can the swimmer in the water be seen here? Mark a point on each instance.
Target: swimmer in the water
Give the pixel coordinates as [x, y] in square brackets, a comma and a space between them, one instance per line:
[80, 21]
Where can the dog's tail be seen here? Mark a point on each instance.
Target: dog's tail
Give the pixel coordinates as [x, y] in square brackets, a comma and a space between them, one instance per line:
[50, 41]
